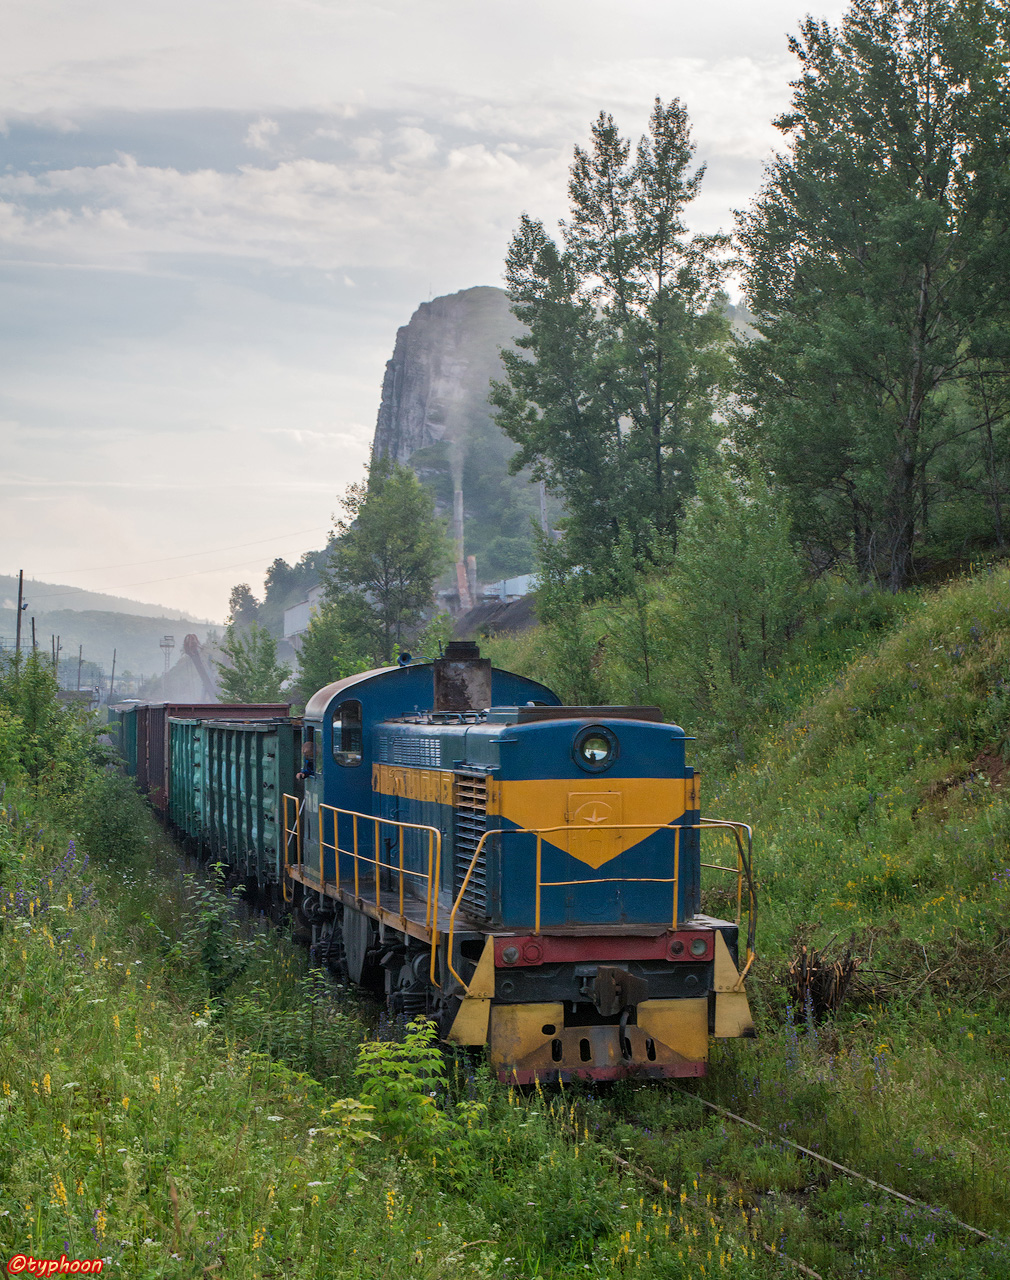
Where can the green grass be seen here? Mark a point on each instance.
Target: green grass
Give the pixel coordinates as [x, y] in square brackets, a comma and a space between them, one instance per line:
[874, 781]
[875, 786]
[244, 1134]
[882, 821]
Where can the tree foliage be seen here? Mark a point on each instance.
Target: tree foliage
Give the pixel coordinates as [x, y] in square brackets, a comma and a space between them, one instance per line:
[252, 672]
[735, 590]
[389, 551]
[337, 643]
[40, 739]
[612, 393]
[243, 607]
[875, 261]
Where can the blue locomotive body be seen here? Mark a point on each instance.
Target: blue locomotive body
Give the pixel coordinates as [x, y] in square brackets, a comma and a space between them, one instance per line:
[529, 874]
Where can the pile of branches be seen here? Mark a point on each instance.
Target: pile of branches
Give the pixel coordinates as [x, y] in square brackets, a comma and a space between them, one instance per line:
[819, 983]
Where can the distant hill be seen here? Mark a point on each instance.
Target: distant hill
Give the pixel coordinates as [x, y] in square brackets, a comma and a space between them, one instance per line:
[47, 597]
[101, 623]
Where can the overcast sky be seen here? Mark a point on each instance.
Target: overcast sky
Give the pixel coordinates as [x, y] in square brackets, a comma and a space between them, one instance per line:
[214, 216]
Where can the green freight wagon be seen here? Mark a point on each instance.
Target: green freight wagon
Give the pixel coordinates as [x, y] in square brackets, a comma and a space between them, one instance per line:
[145, 735]
[226, 789]
[125, 716]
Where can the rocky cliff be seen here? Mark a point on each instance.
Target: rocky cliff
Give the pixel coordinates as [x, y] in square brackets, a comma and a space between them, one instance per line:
[436, 384]
[435, 416]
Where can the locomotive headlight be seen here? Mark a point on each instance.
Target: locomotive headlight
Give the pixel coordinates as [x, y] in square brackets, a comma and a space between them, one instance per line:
[698, 946]
[596, 748]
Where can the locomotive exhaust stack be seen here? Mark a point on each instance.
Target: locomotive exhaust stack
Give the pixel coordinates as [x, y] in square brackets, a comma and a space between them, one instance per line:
[462, 678]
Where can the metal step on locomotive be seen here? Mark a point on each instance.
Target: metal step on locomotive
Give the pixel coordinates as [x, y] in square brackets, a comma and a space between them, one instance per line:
[527, 874]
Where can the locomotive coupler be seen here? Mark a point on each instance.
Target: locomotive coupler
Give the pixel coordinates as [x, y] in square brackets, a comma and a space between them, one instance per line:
[615, 989]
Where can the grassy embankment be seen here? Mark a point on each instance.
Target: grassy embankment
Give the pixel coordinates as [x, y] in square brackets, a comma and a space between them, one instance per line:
[168, 1107]
[178, 1095]
[882, 821]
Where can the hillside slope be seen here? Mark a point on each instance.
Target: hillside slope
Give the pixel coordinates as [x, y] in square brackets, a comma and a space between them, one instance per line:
[881, 814]
[55, 597]
[883, 800]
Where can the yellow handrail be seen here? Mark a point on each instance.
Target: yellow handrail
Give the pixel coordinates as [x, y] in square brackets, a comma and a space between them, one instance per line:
[431, 876]
[289, 831]
[742, 868]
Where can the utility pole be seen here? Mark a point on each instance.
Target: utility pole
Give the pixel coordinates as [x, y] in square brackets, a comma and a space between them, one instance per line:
[80, 660]
[35, 643]
[21, 596]
[112, 678]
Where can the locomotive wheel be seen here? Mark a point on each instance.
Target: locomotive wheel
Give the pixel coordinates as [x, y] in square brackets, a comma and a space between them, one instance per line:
[360, 941]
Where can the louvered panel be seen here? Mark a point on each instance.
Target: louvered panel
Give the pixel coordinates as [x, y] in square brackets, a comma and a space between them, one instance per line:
[400, 748]
[470, 809]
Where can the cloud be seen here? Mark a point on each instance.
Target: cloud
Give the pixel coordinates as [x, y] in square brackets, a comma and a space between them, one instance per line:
[298, 212]
[259, 134]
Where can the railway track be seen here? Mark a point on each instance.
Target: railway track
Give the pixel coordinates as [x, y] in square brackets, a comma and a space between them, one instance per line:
[736, 1193]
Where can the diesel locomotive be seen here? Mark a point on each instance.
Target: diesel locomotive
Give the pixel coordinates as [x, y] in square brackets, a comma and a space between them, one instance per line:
[527, 874]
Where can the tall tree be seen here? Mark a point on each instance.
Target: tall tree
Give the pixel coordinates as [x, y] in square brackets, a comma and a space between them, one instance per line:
[243, 607]
[874, 261]
[612, 394]
[390, 549]
[251, 672]
[339, 641]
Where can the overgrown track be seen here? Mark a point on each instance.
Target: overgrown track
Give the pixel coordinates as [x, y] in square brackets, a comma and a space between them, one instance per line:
[767, 1212]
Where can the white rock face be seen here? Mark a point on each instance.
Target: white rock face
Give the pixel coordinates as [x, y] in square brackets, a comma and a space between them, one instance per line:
[436, 417]
[435, 387]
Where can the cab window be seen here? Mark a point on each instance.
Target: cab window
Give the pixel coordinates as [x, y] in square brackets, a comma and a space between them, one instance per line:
[347, 737]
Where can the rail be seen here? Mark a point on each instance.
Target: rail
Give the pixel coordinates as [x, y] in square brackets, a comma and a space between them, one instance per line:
[431, 877]
[742, 871]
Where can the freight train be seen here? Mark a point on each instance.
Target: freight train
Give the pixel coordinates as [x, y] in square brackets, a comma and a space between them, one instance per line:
[527, 874]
